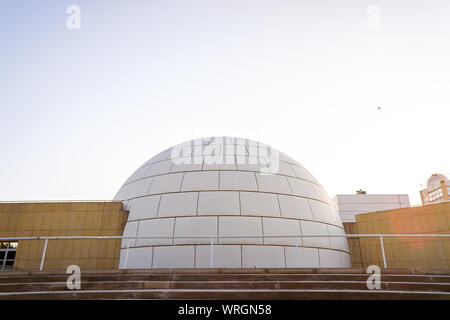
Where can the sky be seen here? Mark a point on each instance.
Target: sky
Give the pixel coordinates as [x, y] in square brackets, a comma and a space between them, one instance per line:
[82, 108]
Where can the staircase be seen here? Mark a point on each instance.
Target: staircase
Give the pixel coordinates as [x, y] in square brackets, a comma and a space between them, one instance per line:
[225, 284]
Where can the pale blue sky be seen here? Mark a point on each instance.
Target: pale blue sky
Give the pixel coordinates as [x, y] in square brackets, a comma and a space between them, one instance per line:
[80, 110]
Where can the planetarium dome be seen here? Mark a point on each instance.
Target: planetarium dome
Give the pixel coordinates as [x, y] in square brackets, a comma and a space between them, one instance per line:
[228, 187]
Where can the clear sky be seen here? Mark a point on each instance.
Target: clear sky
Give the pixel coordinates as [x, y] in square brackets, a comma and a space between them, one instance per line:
[81, 109]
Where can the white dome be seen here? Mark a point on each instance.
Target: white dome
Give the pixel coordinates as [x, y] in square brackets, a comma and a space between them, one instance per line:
[434, 181]
[223, 186]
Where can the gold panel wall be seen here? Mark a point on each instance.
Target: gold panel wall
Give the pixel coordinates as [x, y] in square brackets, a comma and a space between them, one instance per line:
[404, 252]
[108, 218]
[354, 244]
[64, 219]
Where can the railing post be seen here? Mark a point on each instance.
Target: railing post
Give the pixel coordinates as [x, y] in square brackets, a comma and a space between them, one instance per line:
[382, 251]
[211, 253]
[43, 255]
[126, 254]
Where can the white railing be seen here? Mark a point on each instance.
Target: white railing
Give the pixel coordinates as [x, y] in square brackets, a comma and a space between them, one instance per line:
[211, 260]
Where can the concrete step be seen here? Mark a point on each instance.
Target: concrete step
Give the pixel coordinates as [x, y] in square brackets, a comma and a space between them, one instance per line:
[225, 277]
[227, 284]
[222, 294]
[234, 271]
[219, 275]
[269, 285]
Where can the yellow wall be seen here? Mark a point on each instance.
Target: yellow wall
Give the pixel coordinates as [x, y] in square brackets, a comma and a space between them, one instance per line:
[108, 218]
[354, 244]
[404, 252]
[64, 219]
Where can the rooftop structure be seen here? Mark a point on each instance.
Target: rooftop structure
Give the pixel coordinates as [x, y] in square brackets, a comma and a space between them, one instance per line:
[350, 205]
[437, 190]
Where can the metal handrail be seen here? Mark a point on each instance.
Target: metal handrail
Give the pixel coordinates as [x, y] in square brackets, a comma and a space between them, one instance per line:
[57, 201]
[225, 237]
[374, 235]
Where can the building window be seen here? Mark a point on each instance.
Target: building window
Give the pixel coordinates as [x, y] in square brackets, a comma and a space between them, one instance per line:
[7, 254]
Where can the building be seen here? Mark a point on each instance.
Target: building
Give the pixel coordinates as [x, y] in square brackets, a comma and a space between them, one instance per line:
[43, 219]
[437, 190]
[363, 213]
[207, 189]
[212, 191]
[351, 205]
[403, 251]
[228, 187]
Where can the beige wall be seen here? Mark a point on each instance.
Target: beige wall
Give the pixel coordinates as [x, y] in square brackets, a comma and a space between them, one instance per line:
[354, 244]
[64, 219]
[404, 252]
[108, 218]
